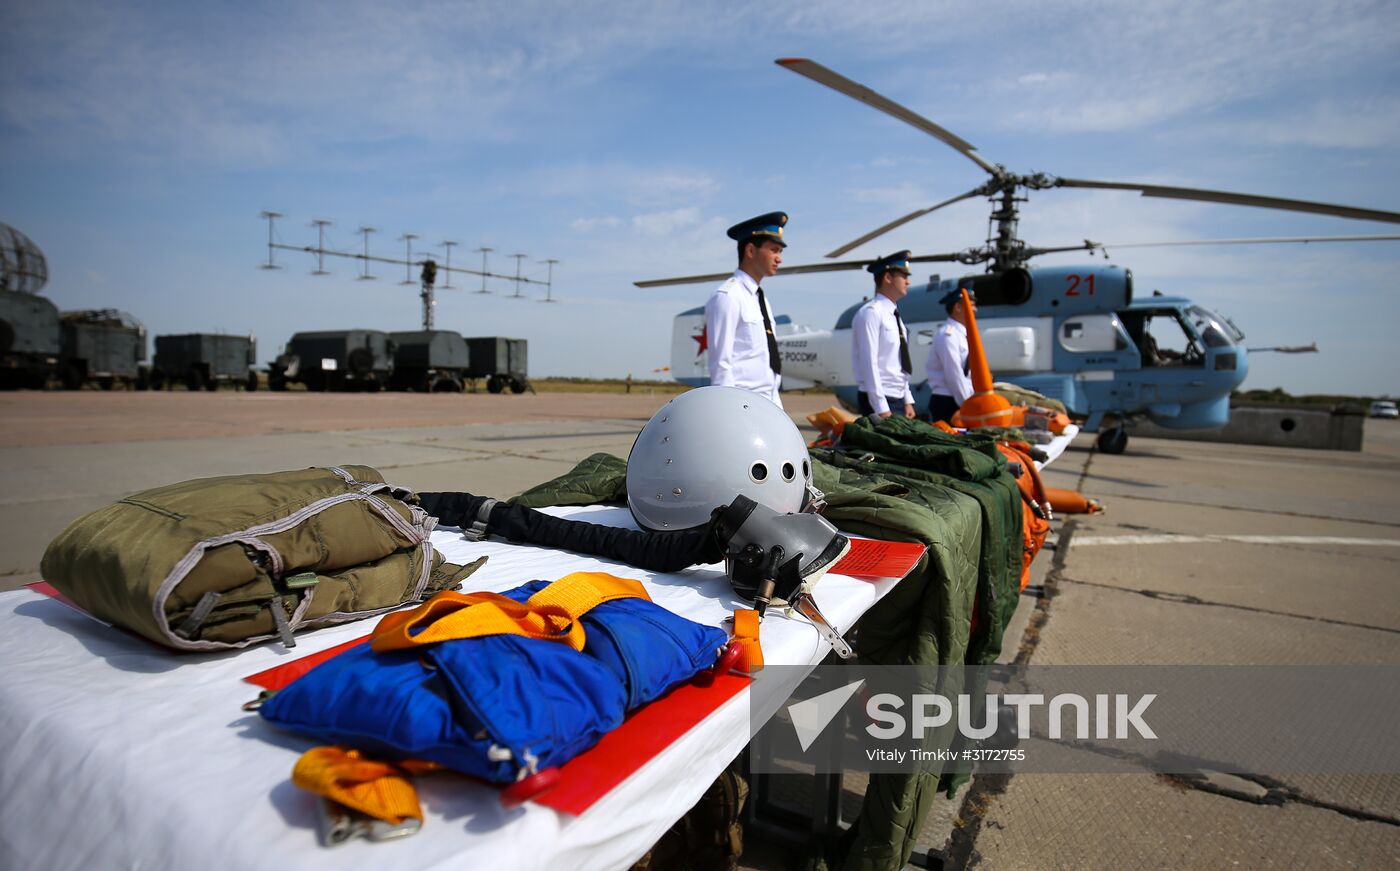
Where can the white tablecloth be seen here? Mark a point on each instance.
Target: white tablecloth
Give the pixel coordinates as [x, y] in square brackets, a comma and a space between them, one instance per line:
[118, 754]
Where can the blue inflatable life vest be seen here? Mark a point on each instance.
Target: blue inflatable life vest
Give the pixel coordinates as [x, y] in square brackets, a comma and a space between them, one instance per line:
[499, 706]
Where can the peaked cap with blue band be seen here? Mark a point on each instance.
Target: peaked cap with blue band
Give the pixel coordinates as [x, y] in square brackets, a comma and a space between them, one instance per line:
[769, 226]
[898, 261]
[955, 295]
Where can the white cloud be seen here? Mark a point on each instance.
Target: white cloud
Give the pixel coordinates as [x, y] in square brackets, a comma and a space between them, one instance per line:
[259, 82]
[666, 223]
[255, 83]
[589, 225]
[1349, 122]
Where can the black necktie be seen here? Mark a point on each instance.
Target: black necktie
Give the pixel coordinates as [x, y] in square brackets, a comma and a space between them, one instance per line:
[904, 362]
[775, 361]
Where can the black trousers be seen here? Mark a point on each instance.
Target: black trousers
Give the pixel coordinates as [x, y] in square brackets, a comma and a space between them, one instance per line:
[942, 408]
[896, 404]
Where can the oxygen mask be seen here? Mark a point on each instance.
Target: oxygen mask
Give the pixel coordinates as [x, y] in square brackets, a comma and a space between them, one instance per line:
[774, 559]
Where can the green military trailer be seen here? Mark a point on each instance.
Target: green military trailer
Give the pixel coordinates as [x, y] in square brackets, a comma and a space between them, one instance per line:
[502, 362]
[102, 345]
[203, 361]
[429, 360]
[29, 340]
[337, 360]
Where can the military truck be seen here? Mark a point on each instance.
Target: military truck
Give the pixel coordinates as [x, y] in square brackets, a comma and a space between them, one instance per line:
[335, 360]
[502, 362]
[29, 344]
[204, 361]
[429, 360]
[102, 345]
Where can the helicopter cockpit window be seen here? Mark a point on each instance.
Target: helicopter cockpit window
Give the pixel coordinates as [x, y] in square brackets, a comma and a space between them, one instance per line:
[1214, 330]
[1093, 333]
[1166, 342]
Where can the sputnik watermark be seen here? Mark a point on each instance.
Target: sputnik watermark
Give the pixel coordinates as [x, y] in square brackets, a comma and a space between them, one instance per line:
[1168, 719]
[930, 711]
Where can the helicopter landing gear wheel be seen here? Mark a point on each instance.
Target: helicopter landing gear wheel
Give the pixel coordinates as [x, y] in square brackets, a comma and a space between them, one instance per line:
[1112, 441]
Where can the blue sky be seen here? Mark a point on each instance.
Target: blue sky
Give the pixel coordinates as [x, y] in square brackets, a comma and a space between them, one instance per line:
[139, 141]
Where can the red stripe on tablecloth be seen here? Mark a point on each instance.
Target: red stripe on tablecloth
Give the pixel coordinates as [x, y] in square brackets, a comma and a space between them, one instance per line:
[279, 676]
[642, 736]
[871, 560]
[593, 773]
[649, 730]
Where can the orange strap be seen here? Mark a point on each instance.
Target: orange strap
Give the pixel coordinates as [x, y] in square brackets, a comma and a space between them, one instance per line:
[551, 614]
[377, 789]
[832, 422]
[746, 625]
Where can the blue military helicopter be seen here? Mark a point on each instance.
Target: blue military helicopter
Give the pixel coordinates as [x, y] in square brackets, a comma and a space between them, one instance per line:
[1077, 334]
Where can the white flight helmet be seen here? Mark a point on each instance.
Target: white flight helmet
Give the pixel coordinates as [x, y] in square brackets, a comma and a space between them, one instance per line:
[707, 446]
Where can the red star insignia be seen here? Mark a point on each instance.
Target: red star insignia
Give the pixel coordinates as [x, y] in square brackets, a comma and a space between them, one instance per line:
[703, 340]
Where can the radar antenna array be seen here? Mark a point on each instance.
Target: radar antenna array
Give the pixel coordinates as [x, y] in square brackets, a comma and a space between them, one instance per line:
[518, 259]
[549, 282]
[22, 265]
[428, 266]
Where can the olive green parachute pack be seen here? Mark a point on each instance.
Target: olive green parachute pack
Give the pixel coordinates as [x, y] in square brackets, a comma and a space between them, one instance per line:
[219, 563]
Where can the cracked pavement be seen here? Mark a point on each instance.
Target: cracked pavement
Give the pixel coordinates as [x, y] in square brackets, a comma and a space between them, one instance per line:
[1220, 555]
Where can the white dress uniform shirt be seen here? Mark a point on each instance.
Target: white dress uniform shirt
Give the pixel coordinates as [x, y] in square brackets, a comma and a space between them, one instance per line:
[947, 362]
[875, 354]
[737, 341]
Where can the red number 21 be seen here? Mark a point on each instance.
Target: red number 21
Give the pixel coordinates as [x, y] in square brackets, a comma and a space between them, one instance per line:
[1073, 289]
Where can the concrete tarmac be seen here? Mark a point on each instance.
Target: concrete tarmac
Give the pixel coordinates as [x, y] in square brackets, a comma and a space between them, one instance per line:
[65, 454]
[1208, 554]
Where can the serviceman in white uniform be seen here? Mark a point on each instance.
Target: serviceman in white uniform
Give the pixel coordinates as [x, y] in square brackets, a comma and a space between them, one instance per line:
[948, 376]
[743, 350]
[880, 343]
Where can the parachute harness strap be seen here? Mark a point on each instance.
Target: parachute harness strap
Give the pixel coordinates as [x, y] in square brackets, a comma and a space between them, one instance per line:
[550, 615]
[362, 797]
[369, 798]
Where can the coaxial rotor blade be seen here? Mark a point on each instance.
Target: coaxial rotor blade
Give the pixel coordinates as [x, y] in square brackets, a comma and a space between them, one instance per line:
[803, 269]
[689, 279]
[971, 255]
[837, 82]
[782, 270]
[1209, 196]
[1263, 240]
[901, 221]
